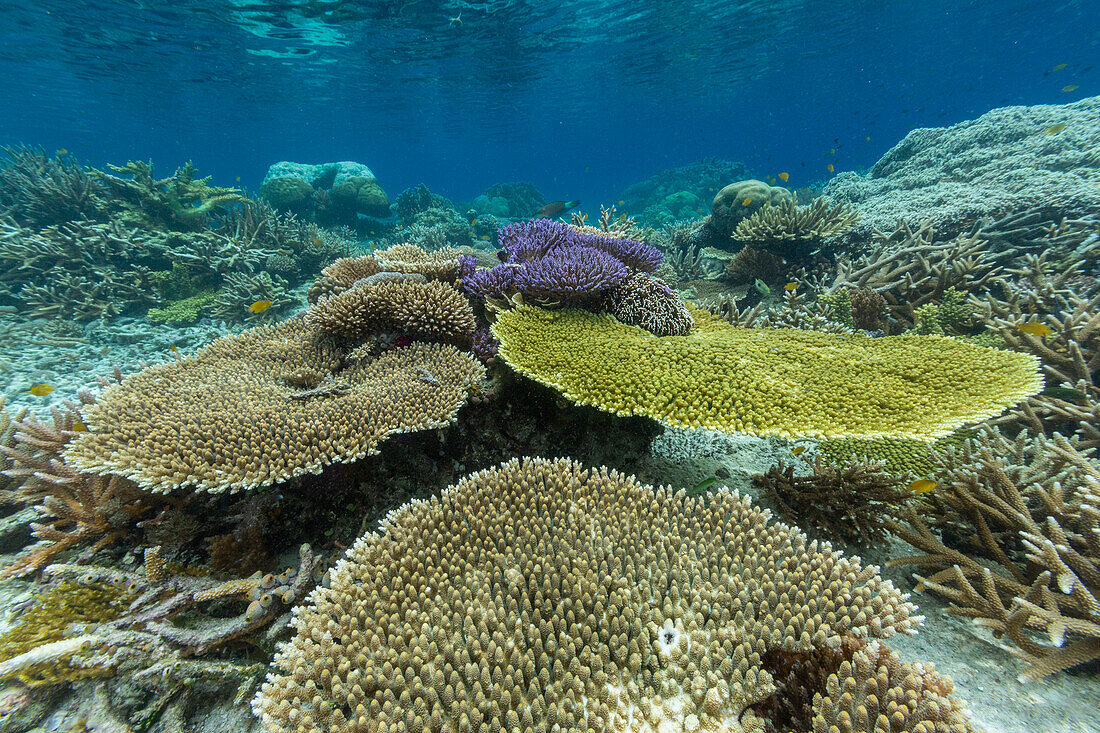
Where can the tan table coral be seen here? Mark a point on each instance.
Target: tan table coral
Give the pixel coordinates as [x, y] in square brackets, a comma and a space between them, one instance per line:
[783, 382]
[540, 596]
[266, 405]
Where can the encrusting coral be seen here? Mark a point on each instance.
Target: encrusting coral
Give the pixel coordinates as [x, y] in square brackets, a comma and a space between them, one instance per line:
[540, 595]
[783, 382]
[1019, 550]
[848, 503]
[266, 405]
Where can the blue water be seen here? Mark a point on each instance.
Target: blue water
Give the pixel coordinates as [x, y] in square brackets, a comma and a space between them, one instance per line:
[580, 98]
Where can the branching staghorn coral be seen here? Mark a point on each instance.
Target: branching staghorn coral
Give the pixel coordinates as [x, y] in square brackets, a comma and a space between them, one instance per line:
[241, 290]
[793, 231]
[848, 503]
[77, 510]
[1070, 352]
[909, 269]
[1020, 545]
[39, 190]
[684, 252]
[180, 201]
[784, 382]
[541, 595]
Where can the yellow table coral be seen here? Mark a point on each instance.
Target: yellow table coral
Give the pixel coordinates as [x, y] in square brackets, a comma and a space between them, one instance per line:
[782, 382]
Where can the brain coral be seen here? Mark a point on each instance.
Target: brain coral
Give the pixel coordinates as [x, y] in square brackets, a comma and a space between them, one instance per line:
[783, 382]
[265, 405]
[540, 596]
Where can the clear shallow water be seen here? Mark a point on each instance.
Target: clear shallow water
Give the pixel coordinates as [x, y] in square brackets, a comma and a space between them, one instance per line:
[581, 98]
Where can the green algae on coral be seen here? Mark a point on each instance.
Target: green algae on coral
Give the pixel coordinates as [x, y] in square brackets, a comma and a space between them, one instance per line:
[782, 382]
[185, 310]
[55, 615]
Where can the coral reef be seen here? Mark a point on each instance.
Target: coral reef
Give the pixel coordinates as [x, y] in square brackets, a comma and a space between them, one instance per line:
[701, 179]
[553, 263]
[327, 193]
[649, 303]
[38, 190]
[509, 201]
[684, 252]
[783, 382]
[737, 202]
[848, 503]
[1018, 552]
[275, 387]
[876, 691]
[180, 202]
[606, 628]
[1006, 160]
[76, 510]
[794, 232]
[428, 310]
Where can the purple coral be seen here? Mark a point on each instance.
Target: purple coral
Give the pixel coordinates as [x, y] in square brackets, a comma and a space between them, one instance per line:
[570, 275]
[553, 261]
[630, 252]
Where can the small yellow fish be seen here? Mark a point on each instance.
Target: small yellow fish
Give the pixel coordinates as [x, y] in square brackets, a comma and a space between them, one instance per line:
[238, 179]
[1035, 328]
[711, 189]
[41, 389]
[622, 217]
[790, 286]
[746, 202]
[830, 151]
[798, 450]
[174, 349]
[621, 202]
[474, 222]
[79, 427]
[62, 151]
[259, 306]
[1069, 87]
[868, 138]
[1055, 129]
[484, 237]
[829, 167]
[1059, 67]
[784, 176]
[923, 486]
[372, 231]
[771, 179]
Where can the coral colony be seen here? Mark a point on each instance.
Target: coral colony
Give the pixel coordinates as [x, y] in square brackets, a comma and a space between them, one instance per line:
[358, 497]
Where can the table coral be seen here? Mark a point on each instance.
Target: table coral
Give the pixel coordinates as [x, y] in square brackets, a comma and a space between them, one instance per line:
[783, 382]
[266, 405]
[541, 595]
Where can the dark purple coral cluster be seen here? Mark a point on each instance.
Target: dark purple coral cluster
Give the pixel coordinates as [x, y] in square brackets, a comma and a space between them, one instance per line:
[550, 261]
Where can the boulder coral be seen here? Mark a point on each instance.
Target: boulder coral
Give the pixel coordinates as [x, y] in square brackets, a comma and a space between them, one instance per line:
[782, 382]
